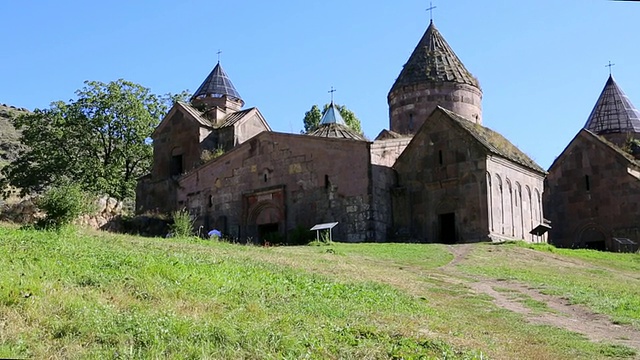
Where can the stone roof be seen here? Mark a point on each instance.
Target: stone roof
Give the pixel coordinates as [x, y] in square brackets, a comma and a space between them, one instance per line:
[337, 131]
[386, 134]
[613, 112]
[197, 114]
[229, 120]
[613, 146]
[217, 84]
[332, 116]
[493, 141]
[233, 118]
[433, 61]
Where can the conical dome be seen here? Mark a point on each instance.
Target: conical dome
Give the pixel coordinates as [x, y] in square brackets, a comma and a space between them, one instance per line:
[217, 84]
[433, 60]
[332, 125]
[613, 112]
[433, 76]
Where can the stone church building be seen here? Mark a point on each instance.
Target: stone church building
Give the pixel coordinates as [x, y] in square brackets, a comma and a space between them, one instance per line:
[593, 187]
[436, 175]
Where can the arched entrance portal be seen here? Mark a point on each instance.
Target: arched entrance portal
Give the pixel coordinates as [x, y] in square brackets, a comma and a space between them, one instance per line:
[592, 238]
[265, 216]
[267, 221]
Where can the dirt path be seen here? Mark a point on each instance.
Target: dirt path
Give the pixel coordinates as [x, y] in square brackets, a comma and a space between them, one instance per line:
[559, 312]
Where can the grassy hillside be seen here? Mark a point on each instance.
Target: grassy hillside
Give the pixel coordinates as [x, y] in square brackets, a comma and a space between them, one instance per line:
[77, 295]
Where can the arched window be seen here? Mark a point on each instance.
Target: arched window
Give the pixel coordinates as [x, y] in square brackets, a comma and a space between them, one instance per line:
[501, 202]
[490, 201]
[529, 207]
[509, 203]
[519, 210]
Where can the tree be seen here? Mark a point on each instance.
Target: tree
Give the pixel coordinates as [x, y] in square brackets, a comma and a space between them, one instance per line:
[313, 116]
[100, 141]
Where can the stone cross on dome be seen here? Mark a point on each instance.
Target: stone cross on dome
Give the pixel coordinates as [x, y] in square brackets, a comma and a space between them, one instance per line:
[430, 10]
[331, 92]
[610, 66]
[219, 52]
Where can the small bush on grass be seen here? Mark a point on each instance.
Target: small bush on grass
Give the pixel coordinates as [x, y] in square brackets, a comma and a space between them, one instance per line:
[182, 224]
[63, 204]
[300, 235]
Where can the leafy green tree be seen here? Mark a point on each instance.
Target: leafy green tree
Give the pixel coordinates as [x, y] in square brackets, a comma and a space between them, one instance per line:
[100, 141]
[313, 116]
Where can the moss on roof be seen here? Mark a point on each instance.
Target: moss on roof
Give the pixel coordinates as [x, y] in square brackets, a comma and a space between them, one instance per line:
[433, 61]
[494, 142]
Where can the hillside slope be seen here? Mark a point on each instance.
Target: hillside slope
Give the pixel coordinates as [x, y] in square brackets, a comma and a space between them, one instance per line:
[100, 295]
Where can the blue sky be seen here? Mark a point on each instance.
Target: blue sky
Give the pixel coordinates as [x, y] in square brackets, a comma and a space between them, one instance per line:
[541, 64]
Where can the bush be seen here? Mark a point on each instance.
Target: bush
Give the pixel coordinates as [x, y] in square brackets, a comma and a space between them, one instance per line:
[300, 235]
[182, 223]
[63, 204]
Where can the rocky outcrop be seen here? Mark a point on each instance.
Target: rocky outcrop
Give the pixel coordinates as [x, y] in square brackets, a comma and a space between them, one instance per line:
[10, 144]
[26, 212]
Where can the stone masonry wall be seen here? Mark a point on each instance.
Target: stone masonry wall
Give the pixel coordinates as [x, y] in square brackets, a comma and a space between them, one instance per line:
[410, 106]
[384, 154]
[442, 171]
[593, 194]
[515, 204]
[324, 180]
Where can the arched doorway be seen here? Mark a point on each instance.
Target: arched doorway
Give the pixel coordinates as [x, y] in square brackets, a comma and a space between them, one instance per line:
[265, 216]
[592, 238]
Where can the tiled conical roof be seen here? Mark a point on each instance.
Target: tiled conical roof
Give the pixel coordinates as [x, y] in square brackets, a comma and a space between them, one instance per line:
[217, 84]
[614, 112]
[336, 131]
[433, 61]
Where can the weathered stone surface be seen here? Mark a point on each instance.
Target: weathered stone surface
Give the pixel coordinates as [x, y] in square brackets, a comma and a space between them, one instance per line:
[451, 188]
[593, 195]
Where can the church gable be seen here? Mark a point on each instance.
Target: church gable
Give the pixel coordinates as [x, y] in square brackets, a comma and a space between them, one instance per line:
[186, 112]
[593, 192]
[176, 142]
[439, 144]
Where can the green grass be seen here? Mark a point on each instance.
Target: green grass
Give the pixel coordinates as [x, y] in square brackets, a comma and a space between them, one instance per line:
[427, 257]
[608, 283]
[63, 293]
[86, 295]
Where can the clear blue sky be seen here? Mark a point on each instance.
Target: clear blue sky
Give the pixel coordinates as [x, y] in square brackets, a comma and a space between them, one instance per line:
[541, 64]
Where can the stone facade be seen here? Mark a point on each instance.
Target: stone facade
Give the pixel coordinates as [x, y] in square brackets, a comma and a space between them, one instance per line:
[515, 207]
[179, 144]
[452, 188]
[276, 182]
[593, 194]
[410, 105]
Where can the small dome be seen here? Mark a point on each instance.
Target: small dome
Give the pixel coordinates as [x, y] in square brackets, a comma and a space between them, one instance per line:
[217, 84]
[613, 112]
[332, 116]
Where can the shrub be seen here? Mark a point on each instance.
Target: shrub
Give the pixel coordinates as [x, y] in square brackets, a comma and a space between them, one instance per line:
[300, 235]
[63, 204]
[182, 223]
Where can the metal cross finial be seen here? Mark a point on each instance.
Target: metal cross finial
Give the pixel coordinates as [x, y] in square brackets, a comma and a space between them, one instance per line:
[219, 52]
[430, 10]
[331, 92]
[610, 66]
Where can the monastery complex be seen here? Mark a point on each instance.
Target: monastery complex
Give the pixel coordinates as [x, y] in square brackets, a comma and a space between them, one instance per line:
[436, 175]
